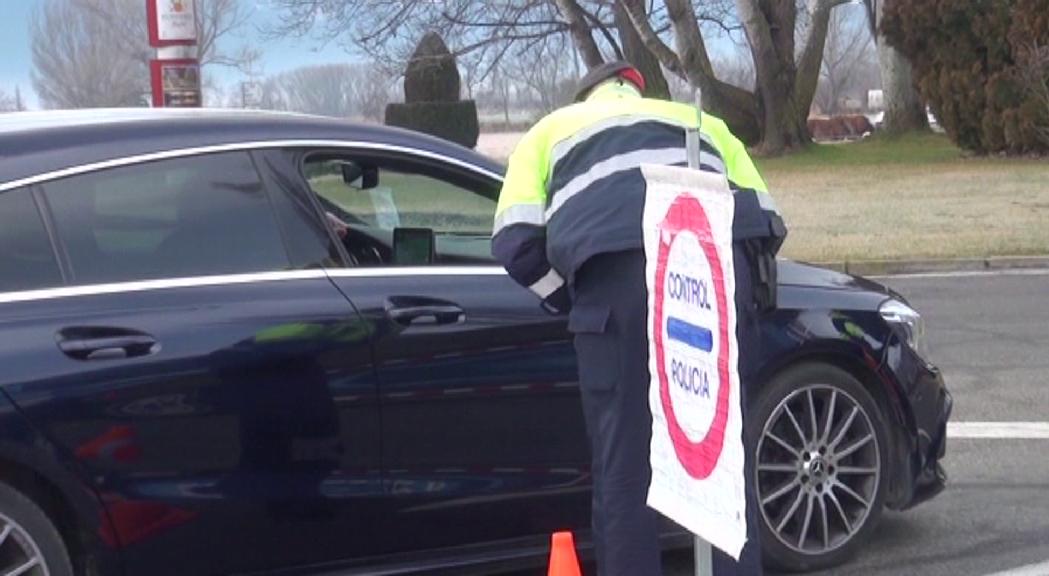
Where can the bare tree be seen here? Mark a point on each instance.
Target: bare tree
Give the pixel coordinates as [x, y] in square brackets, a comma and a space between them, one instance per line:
[736, 69]
[7, 103]
[387, 30]
[338, 90]
[271, 96]
[849, 42]
[370, 91]
[786, 71]
[319, 90]
[501, 92]
[773, 113]
[904, 110]
[75, 65]
[636, 53]
[89, 53]
[215, 20]
[545, 75]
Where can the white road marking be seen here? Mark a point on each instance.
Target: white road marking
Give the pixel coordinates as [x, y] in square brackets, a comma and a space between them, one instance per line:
[962, 274]
[999, 430]
[1029, 570]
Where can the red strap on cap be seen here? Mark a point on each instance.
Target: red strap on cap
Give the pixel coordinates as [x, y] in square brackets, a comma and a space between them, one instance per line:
[633, 75]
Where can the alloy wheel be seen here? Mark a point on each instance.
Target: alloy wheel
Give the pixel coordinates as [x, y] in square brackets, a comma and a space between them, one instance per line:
[818, 469]
[19, 554]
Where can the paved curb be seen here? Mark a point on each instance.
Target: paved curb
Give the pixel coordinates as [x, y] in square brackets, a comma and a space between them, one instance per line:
[894, 267]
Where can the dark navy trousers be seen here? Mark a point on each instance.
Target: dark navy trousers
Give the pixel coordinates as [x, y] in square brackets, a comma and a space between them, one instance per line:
[609, 321]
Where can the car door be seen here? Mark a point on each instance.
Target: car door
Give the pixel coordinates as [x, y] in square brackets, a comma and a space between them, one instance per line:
[199, 366]
[483, 438]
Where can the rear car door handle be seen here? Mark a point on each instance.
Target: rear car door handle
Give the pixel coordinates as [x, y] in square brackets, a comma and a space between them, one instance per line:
[105, 343]
[407, 310]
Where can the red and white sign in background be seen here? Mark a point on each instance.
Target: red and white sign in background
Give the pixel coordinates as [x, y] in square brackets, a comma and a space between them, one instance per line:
[175, 73]
[697, 431]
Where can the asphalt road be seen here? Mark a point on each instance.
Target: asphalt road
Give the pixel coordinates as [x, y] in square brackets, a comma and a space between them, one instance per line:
[990, 336]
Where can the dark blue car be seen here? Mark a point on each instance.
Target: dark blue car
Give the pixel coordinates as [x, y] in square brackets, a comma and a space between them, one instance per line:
[246, 343]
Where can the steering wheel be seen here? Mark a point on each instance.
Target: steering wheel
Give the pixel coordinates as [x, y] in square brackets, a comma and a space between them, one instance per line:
[362, 249]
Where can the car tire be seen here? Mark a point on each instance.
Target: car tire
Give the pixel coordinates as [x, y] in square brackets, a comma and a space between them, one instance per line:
[30, 537]
[836, 476]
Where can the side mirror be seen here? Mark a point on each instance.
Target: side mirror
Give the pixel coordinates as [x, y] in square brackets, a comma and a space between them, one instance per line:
[369, 177]
[350, 172]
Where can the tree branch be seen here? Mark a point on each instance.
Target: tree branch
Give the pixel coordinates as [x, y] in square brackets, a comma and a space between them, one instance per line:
[688, 38]
[666, 56]
[760, 36]
[597, 23]
[736, 106]
[812, 56]
[575, 18]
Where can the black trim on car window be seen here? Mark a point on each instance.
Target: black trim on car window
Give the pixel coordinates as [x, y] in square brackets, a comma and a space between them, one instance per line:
[286, 194]
[295, 161]
[44, 209]
[28, 260]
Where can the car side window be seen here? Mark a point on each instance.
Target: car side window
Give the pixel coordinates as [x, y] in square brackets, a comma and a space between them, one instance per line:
[27, 258]
[407, 209]
[194, 216]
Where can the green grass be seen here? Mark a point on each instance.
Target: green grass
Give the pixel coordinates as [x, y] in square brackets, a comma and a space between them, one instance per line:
[917, 196]
[415, 199]
[877, 151]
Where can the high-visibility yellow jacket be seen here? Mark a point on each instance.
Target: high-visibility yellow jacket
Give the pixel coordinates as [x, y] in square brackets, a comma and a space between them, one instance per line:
[573, 188]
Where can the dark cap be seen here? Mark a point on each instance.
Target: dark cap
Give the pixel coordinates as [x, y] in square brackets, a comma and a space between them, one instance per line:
[607, 71]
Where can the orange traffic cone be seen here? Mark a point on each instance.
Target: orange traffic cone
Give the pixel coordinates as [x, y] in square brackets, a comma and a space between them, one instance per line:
[563, 561]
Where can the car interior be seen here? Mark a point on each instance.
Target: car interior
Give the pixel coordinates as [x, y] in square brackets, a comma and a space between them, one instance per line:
[396, 213]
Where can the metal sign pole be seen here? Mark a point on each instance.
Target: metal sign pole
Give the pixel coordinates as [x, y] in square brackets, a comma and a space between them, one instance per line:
[703, 551]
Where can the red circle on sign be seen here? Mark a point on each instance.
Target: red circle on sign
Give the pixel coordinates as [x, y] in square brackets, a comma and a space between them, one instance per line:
[698, 458]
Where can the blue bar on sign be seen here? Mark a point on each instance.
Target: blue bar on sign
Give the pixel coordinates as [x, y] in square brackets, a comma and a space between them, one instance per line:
[694, 336]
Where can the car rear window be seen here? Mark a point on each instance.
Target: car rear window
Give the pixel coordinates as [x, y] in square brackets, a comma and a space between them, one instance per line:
[27, 260]
[195, 216]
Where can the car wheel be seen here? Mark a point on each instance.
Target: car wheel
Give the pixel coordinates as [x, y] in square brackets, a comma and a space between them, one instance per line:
[30, 545]
[821, 445]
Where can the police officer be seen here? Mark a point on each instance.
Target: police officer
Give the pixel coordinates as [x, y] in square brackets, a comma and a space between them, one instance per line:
[568, 227]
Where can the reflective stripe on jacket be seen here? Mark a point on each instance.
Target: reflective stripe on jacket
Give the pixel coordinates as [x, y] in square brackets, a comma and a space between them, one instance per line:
[573, 188]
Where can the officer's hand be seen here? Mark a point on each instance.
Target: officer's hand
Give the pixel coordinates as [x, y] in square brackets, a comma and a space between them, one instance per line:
[558, 303]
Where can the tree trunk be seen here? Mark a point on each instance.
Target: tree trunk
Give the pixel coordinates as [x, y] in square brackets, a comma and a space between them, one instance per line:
[736, 106]
[773, 51]
[903, 108]
[904, 111]
[580, 30]
[808, 74]
[784, 126]
[636, 53]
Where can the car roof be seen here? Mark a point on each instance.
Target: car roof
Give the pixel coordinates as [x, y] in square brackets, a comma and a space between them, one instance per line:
[37, 143]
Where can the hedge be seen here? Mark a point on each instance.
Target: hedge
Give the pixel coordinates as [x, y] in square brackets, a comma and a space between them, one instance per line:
[455, 121]
[970, 59]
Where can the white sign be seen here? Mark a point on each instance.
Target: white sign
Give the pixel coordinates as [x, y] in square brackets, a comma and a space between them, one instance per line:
[176, 20]
[697, 427]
